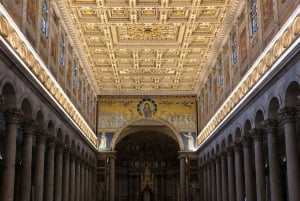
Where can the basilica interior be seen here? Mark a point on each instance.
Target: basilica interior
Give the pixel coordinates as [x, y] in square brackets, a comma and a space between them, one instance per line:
[149, 100]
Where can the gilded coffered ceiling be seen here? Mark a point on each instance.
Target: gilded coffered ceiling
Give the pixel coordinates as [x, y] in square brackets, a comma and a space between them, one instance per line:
[148, 46]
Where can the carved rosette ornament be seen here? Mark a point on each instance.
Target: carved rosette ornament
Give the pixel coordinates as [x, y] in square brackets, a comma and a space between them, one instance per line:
[12, 115]
[287, 114]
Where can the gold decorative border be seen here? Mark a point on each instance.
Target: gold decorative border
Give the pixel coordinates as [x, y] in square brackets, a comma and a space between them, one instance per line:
[288, 34]
[16, 40]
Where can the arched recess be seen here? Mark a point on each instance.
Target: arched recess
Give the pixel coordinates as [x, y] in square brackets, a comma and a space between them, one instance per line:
[150, 124]
[247, 127]
[26, 110]
[273, 108]
[259, 119]
[292, 95]
[9, 93]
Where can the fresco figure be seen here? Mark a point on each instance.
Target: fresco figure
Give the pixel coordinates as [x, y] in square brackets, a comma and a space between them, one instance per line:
[190, 139]
[102, 140]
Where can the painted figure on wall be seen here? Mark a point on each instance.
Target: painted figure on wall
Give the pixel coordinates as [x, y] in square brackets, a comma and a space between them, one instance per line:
[190, 140]
[102, 141]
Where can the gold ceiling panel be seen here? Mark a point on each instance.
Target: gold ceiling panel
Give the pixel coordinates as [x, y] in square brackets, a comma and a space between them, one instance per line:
[147, 46]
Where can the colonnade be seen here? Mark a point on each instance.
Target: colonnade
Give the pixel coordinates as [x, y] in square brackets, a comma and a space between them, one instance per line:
[61, 173]
[234, 174]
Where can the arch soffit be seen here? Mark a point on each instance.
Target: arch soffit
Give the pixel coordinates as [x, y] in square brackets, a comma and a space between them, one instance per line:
[120, 133]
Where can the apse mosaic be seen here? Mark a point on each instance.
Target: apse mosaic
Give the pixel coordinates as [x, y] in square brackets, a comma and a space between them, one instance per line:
[115, 113]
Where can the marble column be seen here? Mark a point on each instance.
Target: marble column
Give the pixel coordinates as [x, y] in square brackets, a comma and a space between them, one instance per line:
[28, 131]
[239, 177]
[41, 137]
[2, 103]
[248, 169]
[112, 178]
[204, 181]
[58, 171]
[208, 179]
[224, 176]
[86, 178]
[257, 135]
[292, 159]
[271, 127]
[82, 170]
[213, 180]
[72, 176]
[66, 172]
[12, 117]
[218, 178]
[90, 182]
[231, 176]
[182, 159]
[77, 177]
[49, 180]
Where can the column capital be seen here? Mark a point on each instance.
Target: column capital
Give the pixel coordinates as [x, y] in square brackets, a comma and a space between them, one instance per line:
[218, 157]
[12, 115]
[223, 155]
[29, 127]
[271, 125]
[51, 142]
[230, 150]
[257, 134]
[59, 146]
[247, 141]
[41, 135]
[2, 103]
[237, 146]
[287, 114]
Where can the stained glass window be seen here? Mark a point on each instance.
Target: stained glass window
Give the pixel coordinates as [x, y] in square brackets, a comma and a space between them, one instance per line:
[234, 56]
[75, 73]
[253, 17]
[220, 72]
[44, 18]
[62, 53]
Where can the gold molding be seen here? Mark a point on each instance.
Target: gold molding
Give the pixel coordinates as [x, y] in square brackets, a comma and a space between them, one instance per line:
[22, 48]
[284, 39]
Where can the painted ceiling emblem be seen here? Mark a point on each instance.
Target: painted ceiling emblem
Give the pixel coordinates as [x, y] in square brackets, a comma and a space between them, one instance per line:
[147, 107]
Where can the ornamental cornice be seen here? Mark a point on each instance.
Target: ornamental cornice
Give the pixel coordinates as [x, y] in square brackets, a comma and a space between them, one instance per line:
[17, 43]
[286, 37]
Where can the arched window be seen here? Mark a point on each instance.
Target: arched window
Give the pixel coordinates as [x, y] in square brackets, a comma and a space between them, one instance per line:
[253, 17]
[75, 73]
[84, 98]
[220, 73]
[210, 89]
[44, 18]
[202, 104]
[62, 54]
[234, 56]
[91, 109]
